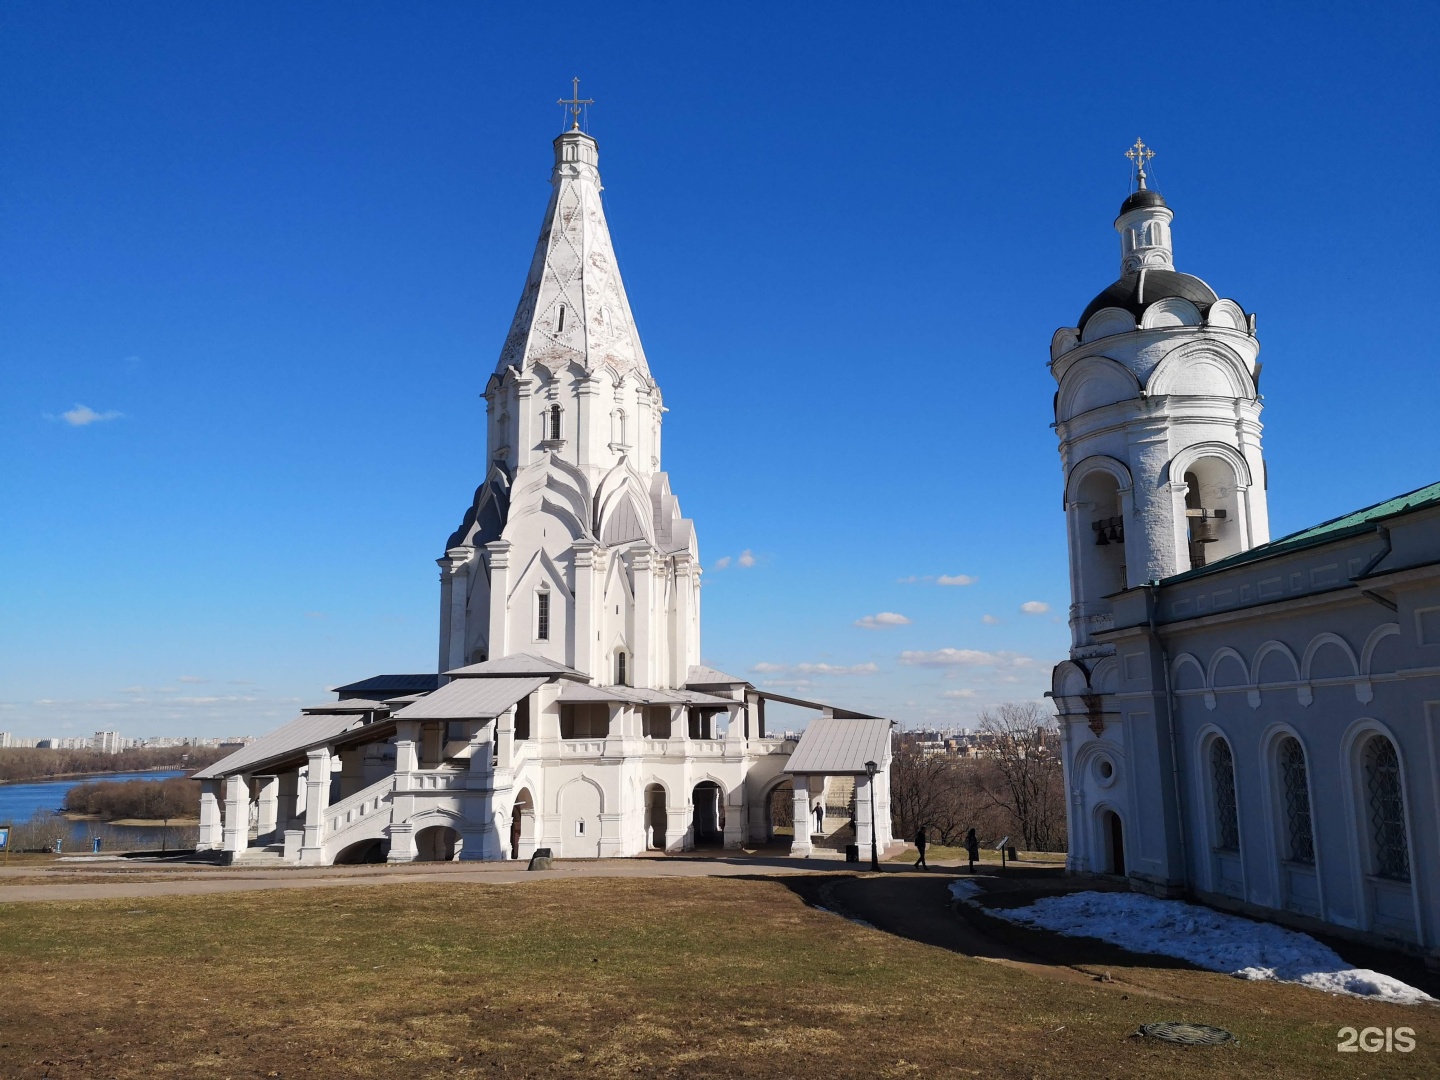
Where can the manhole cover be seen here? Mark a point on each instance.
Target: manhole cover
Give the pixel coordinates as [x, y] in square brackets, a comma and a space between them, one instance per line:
[1187, 1034]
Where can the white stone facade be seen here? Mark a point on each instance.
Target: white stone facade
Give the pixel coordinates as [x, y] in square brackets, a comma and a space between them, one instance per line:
[1255, 723]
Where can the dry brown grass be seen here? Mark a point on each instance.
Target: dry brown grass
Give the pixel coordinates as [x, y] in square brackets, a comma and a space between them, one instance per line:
[712, 977]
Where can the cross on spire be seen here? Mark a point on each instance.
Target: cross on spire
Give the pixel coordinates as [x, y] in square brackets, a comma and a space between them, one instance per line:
[575, 103]
[1140, 154]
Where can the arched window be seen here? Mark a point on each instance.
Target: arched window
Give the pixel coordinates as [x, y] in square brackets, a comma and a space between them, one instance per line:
[1222, 778]
[1295, 786]
[1387, 809]
[555, 422]
[620, 669]
[542, 616]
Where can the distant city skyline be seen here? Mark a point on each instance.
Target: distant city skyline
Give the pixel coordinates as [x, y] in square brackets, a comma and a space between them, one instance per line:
[257, 279]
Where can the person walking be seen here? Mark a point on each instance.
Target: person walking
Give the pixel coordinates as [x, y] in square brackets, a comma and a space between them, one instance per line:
[920, 841]
[972, 848]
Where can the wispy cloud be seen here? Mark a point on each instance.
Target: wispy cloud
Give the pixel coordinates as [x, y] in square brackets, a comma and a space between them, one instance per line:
[882, 620]
[744, 561]
[946, 658]
[766, 668]
[990, 620]
[953, 694]
[722, 562]
[939, 579]
[81, 415]
[1034, 607]
[192, 679]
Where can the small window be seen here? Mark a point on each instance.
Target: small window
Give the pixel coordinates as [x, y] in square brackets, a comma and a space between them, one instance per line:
[1387, 809]
[555, 422]
[620, 669]
[560, 321]
[579, 827]
[542, 616]
[1296, 784]
[1222, 772]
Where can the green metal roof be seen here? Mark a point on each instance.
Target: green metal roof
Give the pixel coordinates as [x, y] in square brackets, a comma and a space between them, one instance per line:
[1351, 524]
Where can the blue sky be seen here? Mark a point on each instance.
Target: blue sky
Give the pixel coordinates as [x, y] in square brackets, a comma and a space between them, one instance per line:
[273, 250]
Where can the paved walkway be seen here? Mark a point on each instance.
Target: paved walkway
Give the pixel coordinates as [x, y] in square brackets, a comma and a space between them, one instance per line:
[199, 879]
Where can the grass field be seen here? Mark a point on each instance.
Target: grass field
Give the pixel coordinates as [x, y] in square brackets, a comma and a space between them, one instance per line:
[695, 977]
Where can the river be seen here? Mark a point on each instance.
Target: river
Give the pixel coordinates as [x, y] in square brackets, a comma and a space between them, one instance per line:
[19, 802]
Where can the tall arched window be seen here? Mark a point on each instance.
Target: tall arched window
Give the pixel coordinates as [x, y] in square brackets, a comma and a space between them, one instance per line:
[1387, 809]
[620, 669]
[542, 616]
[1295, 784]
[1222, 778]
[555, 422]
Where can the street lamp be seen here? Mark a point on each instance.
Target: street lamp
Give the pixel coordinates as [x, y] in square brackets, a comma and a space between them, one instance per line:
[870, 768]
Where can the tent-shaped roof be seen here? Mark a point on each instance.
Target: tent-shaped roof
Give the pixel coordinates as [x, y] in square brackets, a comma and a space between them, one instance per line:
[831, 746]
[311, 729]
[512, 665]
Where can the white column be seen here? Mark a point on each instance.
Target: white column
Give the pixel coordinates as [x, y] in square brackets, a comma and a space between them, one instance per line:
[499, 638]
[237, 814]
[641, 667]
[585, 624]
[862, 815]
[505, 739]
[268, 797]
[317, 801]
[454, 595]
[210, 831]
[800, 846]
[525, 422]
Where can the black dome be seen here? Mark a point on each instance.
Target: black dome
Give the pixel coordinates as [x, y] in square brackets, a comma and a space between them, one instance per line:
[1143, 197]
[1127, 293]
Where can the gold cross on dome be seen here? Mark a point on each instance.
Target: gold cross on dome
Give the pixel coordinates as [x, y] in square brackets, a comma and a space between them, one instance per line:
[576, 102]
[1140, 154]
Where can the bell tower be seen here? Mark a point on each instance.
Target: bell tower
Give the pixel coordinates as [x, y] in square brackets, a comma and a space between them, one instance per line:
[1158, 419]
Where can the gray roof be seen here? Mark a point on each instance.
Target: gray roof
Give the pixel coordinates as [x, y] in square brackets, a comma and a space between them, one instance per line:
[347, 705]
[700, 675]
[514, 664]
[832, 745]
[312, 729]
[470, 699]
[639, 695]
[383, 687]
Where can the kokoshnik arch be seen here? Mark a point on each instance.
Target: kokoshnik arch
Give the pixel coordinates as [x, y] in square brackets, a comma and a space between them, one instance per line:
[571, 710]
[1255, 722]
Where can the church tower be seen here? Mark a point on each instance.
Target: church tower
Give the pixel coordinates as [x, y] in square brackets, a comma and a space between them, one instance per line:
[1158, 416]
[574, 548]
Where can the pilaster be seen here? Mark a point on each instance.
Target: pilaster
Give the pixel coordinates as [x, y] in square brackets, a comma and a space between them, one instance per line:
[498, 638]
[642, 565]
[237, 814]
[800, 846]
[317, 801]
[585, 624]
[211, 835]
[267, 798]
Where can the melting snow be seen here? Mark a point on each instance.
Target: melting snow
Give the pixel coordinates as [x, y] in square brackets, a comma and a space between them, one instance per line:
[1208, 939]
[964, 890]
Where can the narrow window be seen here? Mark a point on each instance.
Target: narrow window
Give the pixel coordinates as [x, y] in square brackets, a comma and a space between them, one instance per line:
[620, 669]
[542, 616]
[1222, 772]
[579, 827]
[1387, 809]
[555, 422]
[560, 321]
[1296, 785]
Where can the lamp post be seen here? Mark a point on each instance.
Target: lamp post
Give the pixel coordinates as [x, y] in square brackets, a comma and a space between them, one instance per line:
[870, 768]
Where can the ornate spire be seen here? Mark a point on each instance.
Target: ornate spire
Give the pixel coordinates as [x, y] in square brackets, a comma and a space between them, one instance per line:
[575, 103]
[1139, 154]
[574, 309]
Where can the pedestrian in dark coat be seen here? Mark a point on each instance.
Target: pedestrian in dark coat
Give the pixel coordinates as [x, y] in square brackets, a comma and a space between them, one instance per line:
[972, 848]
[920, 842]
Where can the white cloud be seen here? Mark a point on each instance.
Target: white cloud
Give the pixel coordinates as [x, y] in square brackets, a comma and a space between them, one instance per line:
[767, 668]
[989, 620]
[956, 579]
[192, 679]
[881, 620]
[1034, 607]
[81, 415]
[747, 558]
[722, 562]
[941, 658]
[958, 694]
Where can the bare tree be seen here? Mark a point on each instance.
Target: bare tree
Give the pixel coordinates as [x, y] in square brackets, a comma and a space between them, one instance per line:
[1024, 774]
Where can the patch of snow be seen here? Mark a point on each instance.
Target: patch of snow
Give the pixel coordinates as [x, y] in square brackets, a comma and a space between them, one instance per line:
[1208, 939]
[964, 890]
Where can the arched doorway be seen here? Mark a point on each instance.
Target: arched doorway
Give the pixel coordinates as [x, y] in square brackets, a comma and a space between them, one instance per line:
[655, 818]
[709, 815]
[1112, 838]
[366, 851]
[522, 825]
[438, 843]
[780, 813]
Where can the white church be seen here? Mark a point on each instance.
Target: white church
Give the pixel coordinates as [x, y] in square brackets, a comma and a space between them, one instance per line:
[1253, 721]
[570, 709]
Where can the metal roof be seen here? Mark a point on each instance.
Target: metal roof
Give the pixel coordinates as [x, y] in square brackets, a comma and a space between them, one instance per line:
[700, 675]
[833, 710]
[312, 729]
[1352, 524]
[347, 705]
[514, 664]
[576, 693]
[831, 745]
[470, 699]
[1139, 289]
[384, 686]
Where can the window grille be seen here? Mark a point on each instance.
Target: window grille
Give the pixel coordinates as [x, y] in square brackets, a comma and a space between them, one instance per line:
[542, 616]
[1222, 771]
[1387, 809]
[554, 421]
[620, 668]
[1297, 801]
